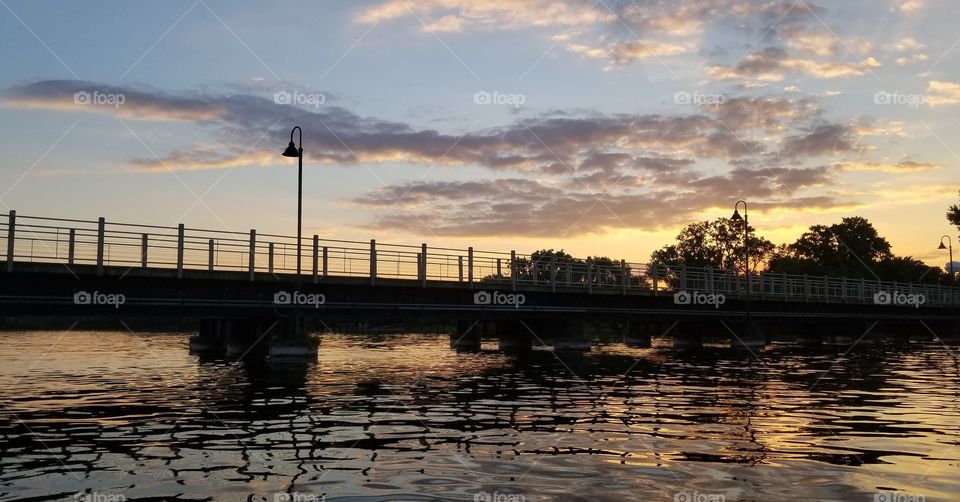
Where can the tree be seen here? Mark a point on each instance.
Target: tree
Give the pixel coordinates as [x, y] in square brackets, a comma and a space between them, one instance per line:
[717, 244]
[908, 269]
[851, 248]
[953, 215]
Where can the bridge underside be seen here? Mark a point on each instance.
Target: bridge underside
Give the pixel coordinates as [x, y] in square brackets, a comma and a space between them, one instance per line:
[233, 313]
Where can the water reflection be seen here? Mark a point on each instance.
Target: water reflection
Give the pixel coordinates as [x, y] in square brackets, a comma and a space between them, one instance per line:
[402, 416]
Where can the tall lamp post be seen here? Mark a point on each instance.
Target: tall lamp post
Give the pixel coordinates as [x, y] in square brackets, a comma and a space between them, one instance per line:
[950, 264]
[294, 151]
[746, 244]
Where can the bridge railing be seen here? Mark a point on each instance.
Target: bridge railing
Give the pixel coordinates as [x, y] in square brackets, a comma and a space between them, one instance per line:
[106, 243]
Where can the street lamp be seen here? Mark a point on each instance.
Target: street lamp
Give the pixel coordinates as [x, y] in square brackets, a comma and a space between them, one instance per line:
[746, 243]
[953, 276]
[294, 151]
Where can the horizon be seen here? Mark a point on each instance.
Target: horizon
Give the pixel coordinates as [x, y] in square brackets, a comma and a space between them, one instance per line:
[600, 130]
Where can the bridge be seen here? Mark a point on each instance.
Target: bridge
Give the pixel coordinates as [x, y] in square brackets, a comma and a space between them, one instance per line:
[242, 286]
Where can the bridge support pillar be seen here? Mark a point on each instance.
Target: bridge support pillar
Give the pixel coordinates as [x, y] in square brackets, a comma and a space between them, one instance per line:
[638, 333]
[808, 334]
[687, 335]
[256, 337]
[747, 334]
[467, 336]
[513, 336]
[572, 337]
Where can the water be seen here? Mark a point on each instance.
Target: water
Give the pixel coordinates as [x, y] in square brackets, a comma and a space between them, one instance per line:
[402, 417]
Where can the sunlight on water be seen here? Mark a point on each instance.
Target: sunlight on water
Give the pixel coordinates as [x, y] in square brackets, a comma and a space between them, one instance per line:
[403, 416]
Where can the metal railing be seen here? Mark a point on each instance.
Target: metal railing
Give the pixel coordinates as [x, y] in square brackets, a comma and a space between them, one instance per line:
[110, 244]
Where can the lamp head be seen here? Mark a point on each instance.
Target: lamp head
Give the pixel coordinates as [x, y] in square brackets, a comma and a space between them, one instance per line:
[291, 151]
[942, 246]
[736, 215]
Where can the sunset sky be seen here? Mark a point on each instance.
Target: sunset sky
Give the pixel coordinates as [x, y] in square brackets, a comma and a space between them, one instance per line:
[601, 127]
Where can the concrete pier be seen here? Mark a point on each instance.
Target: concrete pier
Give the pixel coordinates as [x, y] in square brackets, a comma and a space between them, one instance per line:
[638, 333]
[747, 334]
[688, 335]
[255, 337]
[513, 336]
[467, 336]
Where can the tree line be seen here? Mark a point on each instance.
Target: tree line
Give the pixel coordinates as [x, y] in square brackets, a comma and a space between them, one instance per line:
[850, 248]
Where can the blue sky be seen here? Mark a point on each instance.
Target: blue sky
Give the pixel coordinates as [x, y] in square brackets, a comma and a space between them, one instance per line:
[617, 122]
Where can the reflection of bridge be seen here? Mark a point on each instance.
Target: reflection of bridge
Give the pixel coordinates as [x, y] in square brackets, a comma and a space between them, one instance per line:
[203, 273]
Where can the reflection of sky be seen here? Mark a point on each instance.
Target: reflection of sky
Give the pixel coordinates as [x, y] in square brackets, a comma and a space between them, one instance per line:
[420, 66]
[396, 413]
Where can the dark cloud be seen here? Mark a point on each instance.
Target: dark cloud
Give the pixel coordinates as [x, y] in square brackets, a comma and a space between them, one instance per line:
[573, 172]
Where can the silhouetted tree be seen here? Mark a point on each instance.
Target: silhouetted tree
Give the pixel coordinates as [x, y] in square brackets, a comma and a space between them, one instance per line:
[851, 248]
[717, 244]
[953, 215]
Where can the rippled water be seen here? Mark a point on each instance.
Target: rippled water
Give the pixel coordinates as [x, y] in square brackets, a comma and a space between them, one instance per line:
[402, 417]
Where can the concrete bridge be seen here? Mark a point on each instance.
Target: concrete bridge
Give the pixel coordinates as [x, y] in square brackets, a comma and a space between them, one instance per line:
[243, 288]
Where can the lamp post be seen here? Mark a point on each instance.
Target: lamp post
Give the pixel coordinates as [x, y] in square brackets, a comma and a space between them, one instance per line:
[294, 151]
[746, 244]
[950, 264]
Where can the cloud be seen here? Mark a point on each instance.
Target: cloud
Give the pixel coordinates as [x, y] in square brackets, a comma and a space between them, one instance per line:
[534, 208]
[905, 166]
[942, 93]
[825, 139]
[648, 169]
[908, 6]
[772, 64]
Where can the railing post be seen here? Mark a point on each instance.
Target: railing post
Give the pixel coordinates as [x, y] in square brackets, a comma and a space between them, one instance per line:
[553, 273]
[144, 243]
[11, 238]
[316, 258]
[499, 269]
[180, 251]
[270, 257]
[470, 266]
[71, 246]
[253, 252]
[101, 228]
[589, 275]
[423, 266]
[785, 294]
[844, 295]
[211, 253]
[373, 262]
[325, 269]
[624, 275]
[806, 288]
[569, 273]
[863, 289]
[683, 279]
[656, 281]
[460, 268]
[513, 269]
